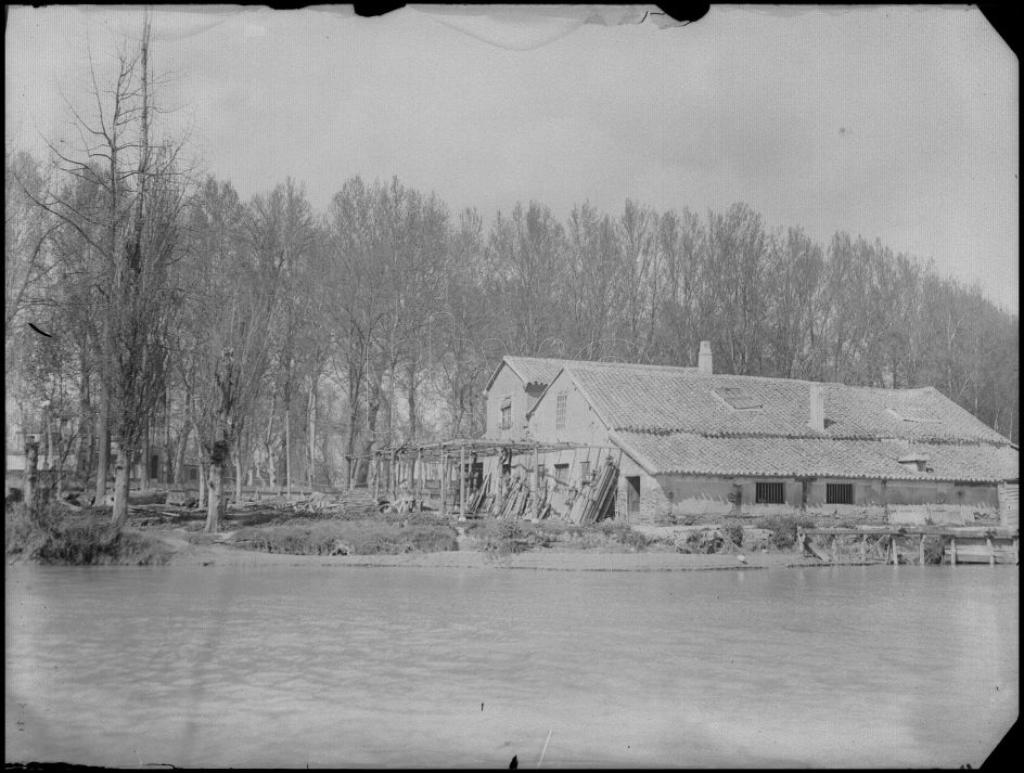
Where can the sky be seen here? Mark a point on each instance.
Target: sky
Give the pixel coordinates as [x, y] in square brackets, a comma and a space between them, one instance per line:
[898, 123]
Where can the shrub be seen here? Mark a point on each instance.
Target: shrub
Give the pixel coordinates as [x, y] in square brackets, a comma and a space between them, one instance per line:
[935, 549]
[56, 537]
[734, 531]
[631, 538]
[784, 528]
[705, 541]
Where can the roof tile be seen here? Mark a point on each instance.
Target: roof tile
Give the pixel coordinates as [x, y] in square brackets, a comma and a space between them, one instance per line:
[684, 453]
[668, 400]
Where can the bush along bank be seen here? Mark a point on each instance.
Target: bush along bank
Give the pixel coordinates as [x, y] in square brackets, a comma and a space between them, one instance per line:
[504, 537]
[50, 535]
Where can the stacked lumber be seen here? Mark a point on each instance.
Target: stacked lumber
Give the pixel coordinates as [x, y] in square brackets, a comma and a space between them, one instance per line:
[476, 503]
[596, 499]
[516, 500]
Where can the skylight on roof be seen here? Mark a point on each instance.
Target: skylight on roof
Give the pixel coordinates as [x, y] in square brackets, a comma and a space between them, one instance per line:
[913, 418]
[738, 398]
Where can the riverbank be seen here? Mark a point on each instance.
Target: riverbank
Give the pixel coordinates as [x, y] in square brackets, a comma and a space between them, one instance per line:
[284, 537]
[185, 553]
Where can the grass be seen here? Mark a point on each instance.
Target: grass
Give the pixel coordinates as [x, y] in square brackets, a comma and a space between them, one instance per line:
[365, 536]
[53, 536]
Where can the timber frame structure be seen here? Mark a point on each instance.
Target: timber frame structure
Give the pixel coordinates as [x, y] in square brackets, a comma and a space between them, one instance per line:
[402, 470]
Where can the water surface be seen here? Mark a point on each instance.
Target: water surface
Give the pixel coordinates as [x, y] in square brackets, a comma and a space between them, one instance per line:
[329, 666]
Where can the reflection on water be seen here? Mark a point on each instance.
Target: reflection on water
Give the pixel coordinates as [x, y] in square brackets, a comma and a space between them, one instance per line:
[284, 666]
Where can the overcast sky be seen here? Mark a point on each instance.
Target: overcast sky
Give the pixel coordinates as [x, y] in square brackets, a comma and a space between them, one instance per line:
[899, 123]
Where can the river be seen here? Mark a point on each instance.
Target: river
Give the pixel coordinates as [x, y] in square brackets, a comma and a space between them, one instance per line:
[330, 667]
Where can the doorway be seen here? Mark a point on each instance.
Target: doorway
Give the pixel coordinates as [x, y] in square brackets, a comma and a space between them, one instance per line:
[632, 494]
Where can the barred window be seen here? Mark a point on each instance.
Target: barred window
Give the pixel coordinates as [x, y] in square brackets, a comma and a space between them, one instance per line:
[839, 493]
[769, 493]
[560, 411]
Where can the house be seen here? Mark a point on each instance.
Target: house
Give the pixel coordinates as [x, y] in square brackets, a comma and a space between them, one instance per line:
[690, 441]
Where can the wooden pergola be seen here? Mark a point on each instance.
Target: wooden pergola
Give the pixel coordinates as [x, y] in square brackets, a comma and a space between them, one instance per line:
[389, 461]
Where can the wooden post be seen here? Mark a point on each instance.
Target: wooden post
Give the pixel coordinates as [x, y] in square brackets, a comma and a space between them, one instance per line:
[418, 490]
[864, 548]
[444, 482]
[462, 481]
[920, 558]
[991, 551]
[393, 476]
[952, 551]
[895, 555]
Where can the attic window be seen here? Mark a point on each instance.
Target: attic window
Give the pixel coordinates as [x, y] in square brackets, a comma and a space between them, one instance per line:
[506, 413]
[738, 398]
[916, 463]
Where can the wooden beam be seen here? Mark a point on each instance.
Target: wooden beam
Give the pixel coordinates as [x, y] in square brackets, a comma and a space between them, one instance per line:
[952, 551]
[920, 550]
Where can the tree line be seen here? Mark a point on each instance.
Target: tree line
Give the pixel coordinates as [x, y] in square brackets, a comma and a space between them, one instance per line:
[275, 344]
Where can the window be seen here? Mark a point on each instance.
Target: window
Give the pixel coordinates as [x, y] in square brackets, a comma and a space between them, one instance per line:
[541, 472]
[839, 493]
[506, 413]
[584, 471]
[562, 474]
[769, 493]
[560, 411]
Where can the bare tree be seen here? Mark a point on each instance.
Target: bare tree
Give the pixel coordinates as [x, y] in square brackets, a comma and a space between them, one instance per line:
[132, 226]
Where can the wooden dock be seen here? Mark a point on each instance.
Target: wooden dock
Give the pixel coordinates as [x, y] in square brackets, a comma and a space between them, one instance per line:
[961, 544]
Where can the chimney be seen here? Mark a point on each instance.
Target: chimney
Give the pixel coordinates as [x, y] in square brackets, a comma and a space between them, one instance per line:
[704, 358]
[817, 412]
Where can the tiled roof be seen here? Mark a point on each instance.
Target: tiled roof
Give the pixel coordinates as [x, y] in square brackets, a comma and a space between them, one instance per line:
[542, 370]
[669, 400]
[684, 453]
